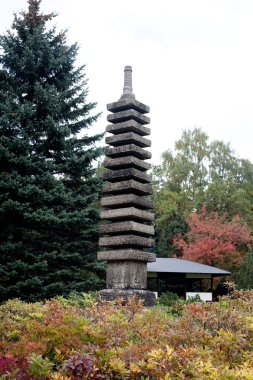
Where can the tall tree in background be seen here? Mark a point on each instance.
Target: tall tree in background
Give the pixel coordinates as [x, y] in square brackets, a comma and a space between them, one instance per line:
[197, 173]
[47, 184]
[170, 220]
[186, 169]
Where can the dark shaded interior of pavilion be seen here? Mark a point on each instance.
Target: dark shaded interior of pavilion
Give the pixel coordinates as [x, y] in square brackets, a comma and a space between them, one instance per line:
[178, 283]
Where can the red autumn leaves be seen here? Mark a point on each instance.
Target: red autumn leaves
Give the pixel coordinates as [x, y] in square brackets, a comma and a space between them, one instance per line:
[214, 240]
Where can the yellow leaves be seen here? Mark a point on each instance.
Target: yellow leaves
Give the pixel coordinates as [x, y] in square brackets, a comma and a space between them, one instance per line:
[128, 342]
[14, 334]
[206, 370]
[58, 376]
[134, 368]
[160, 353]
[36, 315]
[167, 377]
[117, 319]
[249, 321]
[158, 357]
[60, 354]
[156, 354]
[142, 364]
[245, 374]
[119, 366]
[169, 350]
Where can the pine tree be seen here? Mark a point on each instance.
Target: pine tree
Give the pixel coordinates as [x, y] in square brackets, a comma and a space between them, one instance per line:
[48, 188]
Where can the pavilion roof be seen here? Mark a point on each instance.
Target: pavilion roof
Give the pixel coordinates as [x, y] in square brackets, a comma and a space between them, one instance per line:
[170, 265]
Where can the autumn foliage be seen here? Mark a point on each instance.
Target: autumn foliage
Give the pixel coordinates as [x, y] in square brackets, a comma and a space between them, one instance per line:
[64, 340]
[214, 240]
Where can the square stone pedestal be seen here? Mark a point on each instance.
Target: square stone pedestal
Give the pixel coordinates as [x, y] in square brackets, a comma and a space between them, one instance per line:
[112, 294]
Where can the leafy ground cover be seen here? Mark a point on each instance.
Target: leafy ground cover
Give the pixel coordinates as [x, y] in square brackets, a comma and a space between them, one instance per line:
[80, 338]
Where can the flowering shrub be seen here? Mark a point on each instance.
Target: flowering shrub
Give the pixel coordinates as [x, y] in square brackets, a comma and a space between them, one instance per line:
[84, 339]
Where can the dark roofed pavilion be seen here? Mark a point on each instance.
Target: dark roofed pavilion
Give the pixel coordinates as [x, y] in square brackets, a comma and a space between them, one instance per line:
[183, 277]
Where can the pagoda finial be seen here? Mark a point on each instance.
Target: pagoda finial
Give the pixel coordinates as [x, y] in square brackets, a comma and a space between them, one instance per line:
[127, 89]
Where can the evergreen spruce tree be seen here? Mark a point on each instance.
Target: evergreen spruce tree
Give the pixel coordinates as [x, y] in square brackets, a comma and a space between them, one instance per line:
[48, 188]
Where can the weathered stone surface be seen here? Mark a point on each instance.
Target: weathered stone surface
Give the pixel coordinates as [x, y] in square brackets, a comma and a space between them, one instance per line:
[128, 126]
[127, 89]
[126, 227]
[126, 104]
[119, 117]
[129, 173]
[127, 150]
[126, 255]
[126, 275]
[128, 138]
[127, 200]
[125, 187]
[126, 241]
[148, 297]
[126, 162]
[128, 213]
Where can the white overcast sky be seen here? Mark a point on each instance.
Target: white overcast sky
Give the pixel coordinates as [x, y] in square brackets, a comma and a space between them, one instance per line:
[192, 61]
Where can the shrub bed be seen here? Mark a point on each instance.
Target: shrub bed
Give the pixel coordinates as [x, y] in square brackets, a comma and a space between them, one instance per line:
[80, 338]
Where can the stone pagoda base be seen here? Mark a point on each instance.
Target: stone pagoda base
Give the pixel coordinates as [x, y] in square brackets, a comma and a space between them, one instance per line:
[147, 296]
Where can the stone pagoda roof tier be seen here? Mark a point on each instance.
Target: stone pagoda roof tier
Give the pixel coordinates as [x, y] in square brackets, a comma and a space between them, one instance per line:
[124, 187]
[128, 115]
[129, 173]
[128, 226]
[128, 138]
[126, 161]
[128, 126]
[127, 213]
[126, 104]
[126, 241]
[126, 254]
[126, 200]
[126, 150]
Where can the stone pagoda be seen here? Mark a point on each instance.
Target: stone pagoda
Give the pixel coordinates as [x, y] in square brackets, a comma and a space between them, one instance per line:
[127, 229]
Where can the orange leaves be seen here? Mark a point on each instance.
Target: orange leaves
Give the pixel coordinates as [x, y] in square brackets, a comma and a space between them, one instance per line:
[107, 340]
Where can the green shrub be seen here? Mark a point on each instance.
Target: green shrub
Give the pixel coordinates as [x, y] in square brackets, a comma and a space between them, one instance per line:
[169, 299]
[39, 366]
[78, 299]
[175, 304]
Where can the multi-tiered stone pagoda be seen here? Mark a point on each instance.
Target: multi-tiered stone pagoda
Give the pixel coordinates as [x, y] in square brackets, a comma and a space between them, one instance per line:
[127, 229]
